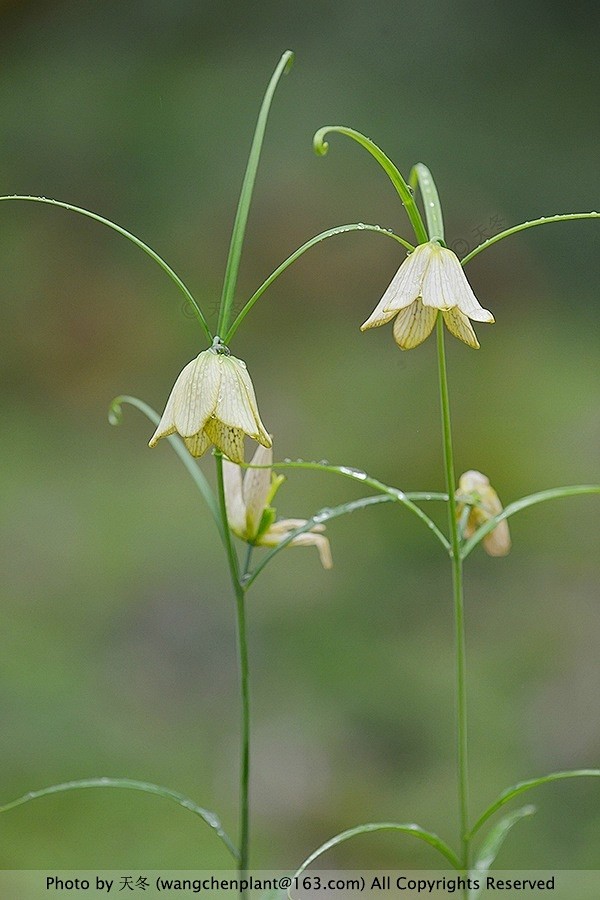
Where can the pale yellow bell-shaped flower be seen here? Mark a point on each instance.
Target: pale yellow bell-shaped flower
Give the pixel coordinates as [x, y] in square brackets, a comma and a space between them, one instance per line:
[213, 402]
[475, 491]
[431, 278]
[251, 516]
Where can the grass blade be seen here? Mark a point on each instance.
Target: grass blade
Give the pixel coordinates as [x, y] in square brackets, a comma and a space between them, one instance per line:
[523, 786]
[145, 787]
[406, 828]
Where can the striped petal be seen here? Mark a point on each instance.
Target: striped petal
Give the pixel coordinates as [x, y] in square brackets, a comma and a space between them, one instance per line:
[256, 489]
[404, 287]
[226, 438]
[459, 289]
[413, 325]
[234, 500]
[198, 444]
[236, 402]
[458, 325]
[195, 393]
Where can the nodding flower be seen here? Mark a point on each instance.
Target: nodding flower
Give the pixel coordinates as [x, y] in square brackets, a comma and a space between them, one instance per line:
[430, 280]
[213, 402]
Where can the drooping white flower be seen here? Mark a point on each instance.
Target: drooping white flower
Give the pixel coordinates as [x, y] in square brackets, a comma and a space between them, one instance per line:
[431, 278]
[476, 493]
[251, 516]
[213, 402]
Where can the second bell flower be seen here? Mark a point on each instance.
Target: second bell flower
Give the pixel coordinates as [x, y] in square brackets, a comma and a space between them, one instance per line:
[430, 279]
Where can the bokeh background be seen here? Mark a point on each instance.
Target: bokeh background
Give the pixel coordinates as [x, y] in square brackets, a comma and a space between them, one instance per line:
[117, 621]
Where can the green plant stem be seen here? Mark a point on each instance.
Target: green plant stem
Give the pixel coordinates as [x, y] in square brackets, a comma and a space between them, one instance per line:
[457, 584]
[240, 597]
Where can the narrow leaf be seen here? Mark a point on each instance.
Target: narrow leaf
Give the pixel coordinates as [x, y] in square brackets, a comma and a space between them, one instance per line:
[520, 788]
[491, 846]
[331, 232]
[114, 417]
[524, 503]
[319, 518]
[210, 818]
[135, 240]
[241, 216]
[431, 201]
[403, 497]
[409, 828]
[543, 220]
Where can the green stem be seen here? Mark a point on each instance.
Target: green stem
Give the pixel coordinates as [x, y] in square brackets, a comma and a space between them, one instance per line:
[457, 584]
[240, 596]
[241, 216]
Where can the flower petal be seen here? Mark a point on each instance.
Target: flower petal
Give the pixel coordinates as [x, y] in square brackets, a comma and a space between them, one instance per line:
[236, 402]
[310, 539]
[460, 289]
[406, 284]
[166, 426]
[234, 500]
[436, 287]
[404, 287]
[458, 325]
[413, 325]
[475, 489]
[226, 438]
[497, 542]
[256, 489]
[197, 444]
[195, 393]
[313, 538]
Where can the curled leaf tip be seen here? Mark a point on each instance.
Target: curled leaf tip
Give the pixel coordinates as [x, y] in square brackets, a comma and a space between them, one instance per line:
[320, 145]
[115, 411]
[289, 60]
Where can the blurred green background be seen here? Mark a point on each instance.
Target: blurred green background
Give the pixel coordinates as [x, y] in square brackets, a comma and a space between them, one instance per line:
[117, 621]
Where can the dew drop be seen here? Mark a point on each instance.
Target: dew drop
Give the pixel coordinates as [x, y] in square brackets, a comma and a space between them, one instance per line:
[354, 473]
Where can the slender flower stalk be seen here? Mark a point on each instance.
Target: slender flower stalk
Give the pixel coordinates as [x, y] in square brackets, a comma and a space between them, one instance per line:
[457, 586]
[240, 604]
